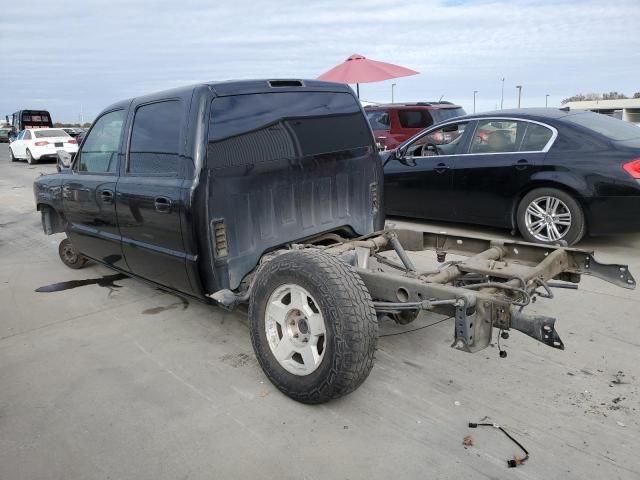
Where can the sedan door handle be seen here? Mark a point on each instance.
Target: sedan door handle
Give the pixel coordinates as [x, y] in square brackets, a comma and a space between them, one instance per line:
[163, 204]
[442, 167]
[521, 164]
[106, 196]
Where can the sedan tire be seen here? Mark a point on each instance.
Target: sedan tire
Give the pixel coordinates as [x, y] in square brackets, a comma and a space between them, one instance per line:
[30, 159]
[12, 156]
[550, 216]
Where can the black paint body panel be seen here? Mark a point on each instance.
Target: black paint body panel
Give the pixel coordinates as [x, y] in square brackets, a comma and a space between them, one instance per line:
[262, 204]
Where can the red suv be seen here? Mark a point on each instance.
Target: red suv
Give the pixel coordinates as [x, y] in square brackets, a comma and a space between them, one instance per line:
[393, 123]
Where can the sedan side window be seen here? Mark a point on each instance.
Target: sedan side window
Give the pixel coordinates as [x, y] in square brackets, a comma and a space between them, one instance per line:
[27, 135]
[444, 141]
[99, 152]
[497, 136]
[536, 138]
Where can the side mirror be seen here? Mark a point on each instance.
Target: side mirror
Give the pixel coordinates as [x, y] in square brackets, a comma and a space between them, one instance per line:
[64, 160]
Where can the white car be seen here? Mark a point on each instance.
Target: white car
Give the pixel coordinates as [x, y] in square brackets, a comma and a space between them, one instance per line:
[38, 143]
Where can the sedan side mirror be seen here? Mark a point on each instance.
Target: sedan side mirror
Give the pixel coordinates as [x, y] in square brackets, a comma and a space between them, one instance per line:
[64, 161]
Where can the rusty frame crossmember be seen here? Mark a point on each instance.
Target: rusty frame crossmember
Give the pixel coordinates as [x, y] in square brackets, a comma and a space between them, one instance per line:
[486, 289]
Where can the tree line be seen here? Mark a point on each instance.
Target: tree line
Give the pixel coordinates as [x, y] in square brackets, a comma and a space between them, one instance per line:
[71, 125]
[580, 97]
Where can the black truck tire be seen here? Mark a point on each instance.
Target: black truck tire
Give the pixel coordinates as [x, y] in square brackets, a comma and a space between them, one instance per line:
[70, 256]
[293, 296]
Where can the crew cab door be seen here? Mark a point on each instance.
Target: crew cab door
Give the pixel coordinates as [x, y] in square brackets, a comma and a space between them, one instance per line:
[420, 183]
[502, 156]
[88, 192]
[150, 196]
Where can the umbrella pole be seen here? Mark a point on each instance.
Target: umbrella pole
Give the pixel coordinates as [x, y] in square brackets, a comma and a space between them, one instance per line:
[358, 89]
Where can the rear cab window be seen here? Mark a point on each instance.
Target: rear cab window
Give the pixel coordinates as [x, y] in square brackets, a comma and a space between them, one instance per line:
[258, 128]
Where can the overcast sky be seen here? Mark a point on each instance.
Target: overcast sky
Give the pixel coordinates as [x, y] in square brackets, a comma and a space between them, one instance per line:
[66, 55]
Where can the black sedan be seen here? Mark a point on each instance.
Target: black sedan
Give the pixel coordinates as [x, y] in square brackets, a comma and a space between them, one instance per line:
[552, 174]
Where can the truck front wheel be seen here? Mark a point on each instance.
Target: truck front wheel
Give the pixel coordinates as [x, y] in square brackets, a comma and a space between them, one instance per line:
[313, 326]
[70, 256]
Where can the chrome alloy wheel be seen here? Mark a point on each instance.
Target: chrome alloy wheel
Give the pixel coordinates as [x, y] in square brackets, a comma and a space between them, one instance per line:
[548, 219]
[295, 329]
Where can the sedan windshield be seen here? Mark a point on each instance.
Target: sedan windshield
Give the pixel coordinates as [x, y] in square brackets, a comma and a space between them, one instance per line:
[442, 114]
[610, 127]
[49, 133]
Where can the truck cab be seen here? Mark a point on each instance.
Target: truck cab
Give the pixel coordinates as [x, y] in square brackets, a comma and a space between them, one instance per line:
[188, 188]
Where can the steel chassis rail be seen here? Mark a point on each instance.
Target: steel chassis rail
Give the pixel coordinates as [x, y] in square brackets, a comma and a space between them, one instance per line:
[485, 290]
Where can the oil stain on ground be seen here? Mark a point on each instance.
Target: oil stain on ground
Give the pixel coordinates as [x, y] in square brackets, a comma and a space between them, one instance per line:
[182, 302]
[106, 281]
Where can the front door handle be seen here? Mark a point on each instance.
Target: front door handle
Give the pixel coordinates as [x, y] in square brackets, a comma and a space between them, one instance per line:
[106, 196]
[521, 164]
[163, 204]
[442, 167]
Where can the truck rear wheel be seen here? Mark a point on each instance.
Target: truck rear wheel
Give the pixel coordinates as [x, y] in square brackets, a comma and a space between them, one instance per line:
[313, 326]
[70, 256]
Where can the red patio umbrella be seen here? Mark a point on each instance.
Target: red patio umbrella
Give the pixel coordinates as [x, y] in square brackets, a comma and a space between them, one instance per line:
[358, 69]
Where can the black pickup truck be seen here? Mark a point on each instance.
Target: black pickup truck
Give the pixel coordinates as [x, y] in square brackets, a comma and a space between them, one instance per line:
[269, 193]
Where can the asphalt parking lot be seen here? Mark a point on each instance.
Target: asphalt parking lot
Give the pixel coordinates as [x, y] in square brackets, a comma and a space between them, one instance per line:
[120, 380]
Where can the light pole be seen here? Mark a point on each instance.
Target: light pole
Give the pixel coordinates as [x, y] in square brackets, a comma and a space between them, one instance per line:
[519, 87]
[546, 100]
[475, 92]
[502, 95]
[393, 86]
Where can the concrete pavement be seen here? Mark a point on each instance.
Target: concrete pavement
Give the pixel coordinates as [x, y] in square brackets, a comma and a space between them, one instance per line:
[123, 381]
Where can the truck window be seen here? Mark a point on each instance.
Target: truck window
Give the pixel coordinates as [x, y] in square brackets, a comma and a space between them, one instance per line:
[258, 128]
[415, 118]
[99, 152]
[155, 139]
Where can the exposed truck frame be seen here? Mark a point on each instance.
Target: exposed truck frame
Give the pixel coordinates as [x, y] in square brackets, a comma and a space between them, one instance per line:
[487, 288]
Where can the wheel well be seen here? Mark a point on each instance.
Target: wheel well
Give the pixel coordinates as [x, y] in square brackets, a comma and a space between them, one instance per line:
[52, 220]
[558, 186]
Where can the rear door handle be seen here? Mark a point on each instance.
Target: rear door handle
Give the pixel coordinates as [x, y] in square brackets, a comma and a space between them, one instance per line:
[106, 196]
[442, 167]
[163, 204]
[521, 164]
